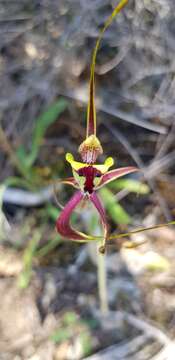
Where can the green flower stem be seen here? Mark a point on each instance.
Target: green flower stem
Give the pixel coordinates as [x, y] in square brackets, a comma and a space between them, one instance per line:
[102, 282]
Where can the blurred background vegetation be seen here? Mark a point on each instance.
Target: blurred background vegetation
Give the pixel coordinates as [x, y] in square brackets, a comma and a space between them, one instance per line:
[49, 303]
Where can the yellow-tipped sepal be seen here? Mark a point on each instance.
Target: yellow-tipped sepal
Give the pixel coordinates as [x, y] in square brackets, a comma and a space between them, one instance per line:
[76, 165]
[105, 167]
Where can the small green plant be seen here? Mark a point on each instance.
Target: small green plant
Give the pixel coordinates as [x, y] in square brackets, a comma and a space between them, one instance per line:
[46, 119]
[28, 256]
[72, 327]
[24, 160]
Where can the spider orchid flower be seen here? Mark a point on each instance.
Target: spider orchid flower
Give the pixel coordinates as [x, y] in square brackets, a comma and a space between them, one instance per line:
[89, 175]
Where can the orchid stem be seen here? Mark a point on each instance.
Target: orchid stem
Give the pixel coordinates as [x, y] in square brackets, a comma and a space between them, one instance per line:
[102, 282]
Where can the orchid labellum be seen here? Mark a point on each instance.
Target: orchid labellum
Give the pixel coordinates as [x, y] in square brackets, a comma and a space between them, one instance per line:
[89, 175]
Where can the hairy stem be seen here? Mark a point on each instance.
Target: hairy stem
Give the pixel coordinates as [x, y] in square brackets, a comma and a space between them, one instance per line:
[102, 282]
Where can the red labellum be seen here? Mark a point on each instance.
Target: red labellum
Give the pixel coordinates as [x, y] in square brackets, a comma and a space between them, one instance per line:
[90, 173]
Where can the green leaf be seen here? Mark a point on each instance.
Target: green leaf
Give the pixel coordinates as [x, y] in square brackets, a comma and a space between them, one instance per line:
[50, 246]
[86, 343]
[47, 118]
[61, 335]
[52, 212]
[115, 210]
[130, 185]
[19, 182]
[42, 123]
[22, 156]
[29, 253]
[70, 318]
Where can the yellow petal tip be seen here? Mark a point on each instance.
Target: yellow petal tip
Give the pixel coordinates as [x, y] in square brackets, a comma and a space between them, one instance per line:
[109, 162]
[104, 167]
[69, 158]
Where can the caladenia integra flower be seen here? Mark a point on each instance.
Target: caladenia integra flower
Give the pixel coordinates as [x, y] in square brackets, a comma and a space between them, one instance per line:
[87, 178]
[88, 174]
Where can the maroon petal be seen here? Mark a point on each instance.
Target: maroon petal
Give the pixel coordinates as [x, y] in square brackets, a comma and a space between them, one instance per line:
[97, 203]
[63, 222]
[115, 174]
